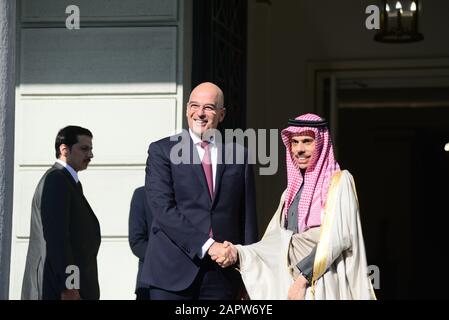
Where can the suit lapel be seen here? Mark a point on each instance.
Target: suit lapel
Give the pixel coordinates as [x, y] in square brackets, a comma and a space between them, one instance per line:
[196, 163]
[73, 183]
[67, 174]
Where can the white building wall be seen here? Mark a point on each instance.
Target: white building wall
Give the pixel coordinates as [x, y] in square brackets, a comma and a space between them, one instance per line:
[120, 75]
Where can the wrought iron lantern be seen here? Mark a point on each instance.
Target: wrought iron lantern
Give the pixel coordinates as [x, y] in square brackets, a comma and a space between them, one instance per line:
[399, 21]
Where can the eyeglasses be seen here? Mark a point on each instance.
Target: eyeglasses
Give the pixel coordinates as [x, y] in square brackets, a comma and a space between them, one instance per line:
[206, 107]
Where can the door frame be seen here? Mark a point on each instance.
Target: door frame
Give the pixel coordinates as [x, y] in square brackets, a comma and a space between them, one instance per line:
[417, 73]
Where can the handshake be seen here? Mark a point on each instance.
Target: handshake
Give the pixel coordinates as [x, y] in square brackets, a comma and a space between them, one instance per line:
[225, 254]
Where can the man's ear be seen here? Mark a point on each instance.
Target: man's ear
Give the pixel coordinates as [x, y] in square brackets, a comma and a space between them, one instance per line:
[64, 150]
[223, 114]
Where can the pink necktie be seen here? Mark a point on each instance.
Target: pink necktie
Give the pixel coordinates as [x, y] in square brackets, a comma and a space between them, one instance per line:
[207, 167]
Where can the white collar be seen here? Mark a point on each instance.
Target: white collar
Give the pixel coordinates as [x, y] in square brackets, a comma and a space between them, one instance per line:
[69, 169]
[197, 140]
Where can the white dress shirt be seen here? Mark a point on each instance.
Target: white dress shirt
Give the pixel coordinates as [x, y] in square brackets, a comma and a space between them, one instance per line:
[69, 168]
[213, 153]
[213, 157]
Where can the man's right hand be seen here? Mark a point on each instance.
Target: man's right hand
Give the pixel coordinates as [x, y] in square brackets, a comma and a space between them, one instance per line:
[70, 294]
[225, 254]
[217, 250]
[232, 257]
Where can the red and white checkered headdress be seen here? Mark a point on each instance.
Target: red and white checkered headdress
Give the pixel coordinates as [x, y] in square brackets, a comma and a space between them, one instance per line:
[317, 176]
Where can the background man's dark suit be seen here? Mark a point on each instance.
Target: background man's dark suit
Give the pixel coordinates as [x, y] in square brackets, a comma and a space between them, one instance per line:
[183, 212]
[64, 231]
[140, 219]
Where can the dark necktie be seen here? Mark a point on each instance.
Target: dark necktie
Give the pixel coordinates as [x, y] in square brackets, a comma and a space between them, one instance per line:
[79, 186]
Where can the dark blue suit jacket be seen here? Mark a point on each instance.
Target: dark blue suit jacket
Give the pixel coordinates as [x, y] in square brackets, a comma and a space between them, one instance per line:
[140, 219]
[64, 231]
[183, 211]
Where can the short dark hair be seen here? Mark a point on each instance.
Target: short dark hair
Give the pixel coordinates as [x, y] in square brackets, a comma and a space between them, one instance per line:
[69, 136]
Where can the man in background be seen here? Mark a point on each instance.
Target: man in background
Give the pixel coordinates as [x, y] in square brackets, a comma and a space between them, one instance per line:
[65, 235]
[140, 219]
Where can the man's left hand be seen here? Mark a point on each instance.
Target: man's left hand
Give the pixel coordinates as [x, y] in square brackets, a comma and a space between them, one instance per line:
[297, 290]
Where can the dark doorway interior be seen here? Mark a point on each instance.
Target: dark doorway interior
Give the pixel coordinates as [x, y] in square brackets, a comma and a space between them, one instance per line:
[219, 53]
[401, 170]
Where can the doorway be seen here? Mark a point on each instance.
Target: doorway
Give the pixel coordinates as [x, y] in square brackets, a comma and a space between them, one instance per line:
[219, 53]
[390, 126]
[401, 170]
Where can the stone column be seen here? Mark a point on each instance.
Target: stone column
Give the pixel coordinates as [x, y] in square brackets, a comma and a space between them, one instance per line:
[7, 109]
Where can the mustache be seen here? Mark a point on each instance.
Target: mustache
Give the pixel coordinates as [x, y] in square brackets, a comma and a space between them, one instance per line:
[298, 154]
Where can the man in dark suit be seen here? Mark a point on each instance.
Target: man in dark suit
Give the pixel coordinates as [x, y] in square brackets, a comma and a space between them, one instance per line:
[65, 236]
[140, 219]
[196, 205]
